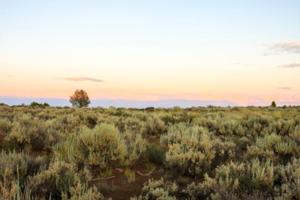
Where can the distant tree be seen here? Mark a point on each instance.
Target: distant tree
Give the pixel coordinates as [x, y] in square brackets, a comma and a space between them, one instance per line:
[34, 104]
[46, 105]
[273, 104]
[149, 108]
[284, 106]
[40, 105]
[80, 99]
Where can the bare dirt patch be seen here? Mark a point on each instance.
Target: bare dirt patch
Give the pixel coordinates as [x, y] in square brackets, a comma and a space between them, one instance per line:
[117, 186]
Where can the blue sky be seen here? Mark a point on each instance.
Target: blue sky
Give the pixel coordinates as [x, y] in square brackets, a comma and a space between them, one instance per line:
[231, 51]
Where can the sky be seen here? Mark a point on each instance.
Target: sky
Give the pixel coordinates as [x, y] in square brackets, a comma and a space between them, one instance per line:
[237, 52]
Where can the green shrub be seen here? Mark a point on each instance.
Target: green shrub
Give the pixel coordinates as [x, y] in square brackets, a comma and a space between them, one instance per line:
[264, 147]
[246, 176]
[54, 182]
[15, 168]
[5, 128]
[155, 154]
[29, 133]
[12, 165]
[287, 148]
[289, 179]
[275, 147]
[154, 126]
[257, 125]
[135, 145]
[234, 181]
[295, 134]
[158, 190]
[82, 192]
[67, 149]
[102, 146]
[262, 175]
[39, 105]
[13, 173]
[131, 124]
[191, 150]
[68, 123]
[91, 120]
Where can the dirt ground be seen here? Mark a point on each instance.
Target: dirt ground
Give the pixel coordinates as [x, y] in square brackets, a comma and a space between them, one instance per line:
[117, 186]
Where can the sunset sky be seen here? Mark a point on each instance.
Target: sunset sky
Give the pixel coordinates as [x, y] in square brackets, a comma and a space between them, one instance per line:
[237, 52]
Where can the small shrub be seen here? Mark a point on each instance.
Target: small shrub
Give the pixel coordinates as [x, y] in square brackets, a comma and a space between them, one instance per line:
[236, 181]
[101, 148]
[131, 124]
[13, 173]
[262, 174]
[130, 175]
[67, 150]
[191, 150]
[264, 147]
[82, 192]
[5, 128]
[155, 154]
[91, 120]
[289, 179]
[67, 123]
[295, 134]
[31, 134]
[39, 105]
[154, 126]
[55, 181]
[13, 164]
[158, 190]
[136, 146]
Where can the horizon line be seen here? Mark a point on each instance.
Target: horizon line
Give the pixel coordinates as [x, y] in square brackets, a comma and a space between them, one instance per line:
[139, 103]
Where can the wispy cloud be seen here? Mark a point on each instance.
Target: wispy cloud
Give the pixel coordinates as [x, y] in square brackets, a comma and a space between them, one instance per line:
[288, 47]
[81, 79]
[285, 88]
[291, 65]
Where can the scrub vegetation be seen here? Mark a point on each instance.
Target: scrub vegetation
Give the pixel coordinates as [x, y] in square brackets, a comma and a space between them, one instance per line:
[148, 154]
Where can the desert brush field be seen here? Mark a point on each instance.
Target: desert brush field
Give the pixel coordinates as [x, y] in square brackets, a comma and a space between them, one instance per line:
[117, 153]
